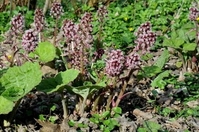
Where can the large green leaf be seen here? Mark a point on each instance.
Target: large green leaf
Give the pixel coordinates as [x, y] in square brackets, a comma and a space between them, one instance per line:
[18, 81]
[6, 105]
[55, 84]
[46, 51]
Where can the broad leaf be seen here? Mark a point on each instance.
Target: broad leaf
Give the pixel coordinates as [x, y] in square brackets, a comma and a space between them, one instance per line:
[46, 52]
[18, 81]
[56, 84]
[6, 105]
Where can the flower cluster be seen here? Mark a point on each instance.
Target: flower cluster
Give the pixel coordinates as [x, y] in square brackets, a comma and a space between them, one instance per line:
[102, 13]
[69, 29]
[115, 63]
[56, 10]
[30, 40]
[39, 20]
[145, 38]
[193, 14]
[17, 24]
[78, 39]
[133, 61]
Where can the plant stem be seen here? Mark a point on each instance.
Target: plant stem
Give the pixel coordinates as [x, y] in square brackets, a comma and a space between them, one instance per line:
[121, 94]
[12, 114]
[196, 24]
[64, 105]
[55, 32]
[95, 103]
[109, 102]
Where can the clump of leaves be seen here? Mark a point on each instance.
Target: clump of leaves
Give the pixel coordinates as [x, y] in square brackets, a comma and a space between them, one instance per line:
[106, 121]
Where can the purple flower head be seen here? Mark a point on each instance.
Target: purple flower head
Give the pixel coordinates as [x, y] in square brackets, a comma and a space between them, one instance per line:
[193, 13]
[114, 63]
[17, 24]
[39, 20]
[102, 12]
[145, 38]
[56, 10]
[69, 29]
[133, 61]
[78, 40]
[86, 22]
[30, 40]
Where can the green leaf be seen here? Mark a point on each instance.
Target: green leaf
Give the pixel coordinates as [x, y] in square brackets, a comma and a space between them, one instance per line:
[178, 42]
[158, 81]
[18, 81]
[150, 71]
[140, 129]
[162, 59]
[189, 47]
[117, 110]
[46, 52]
[167, 42]
[71, 123]
[106, 122]
[152, 126]
[6, 105]
[84, 91]
[56, 84]
[105, 114]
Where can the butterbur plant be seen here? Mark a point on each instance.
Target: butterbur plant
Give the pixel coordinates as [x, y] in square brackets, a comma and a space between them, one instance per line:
[56, 11]
[16, 30]
[117, 63]
[194, 16]
[78, 42]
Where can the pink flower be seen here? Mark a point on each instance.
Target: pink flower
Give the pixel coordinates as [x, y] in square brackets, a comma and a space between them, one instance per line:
[145, 38]
[133, 61]
[193, 14]
[114, 63]
[30, 40]
[17, 24]
[39, 20]
[56, 10]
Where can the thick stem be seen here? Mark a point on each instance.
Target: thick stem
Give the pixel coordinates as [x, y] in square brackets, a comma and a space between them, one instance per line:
[55, 32]
[12, 114]
[109, 101]
[64, 105]
[82, 107]
[95, 104]
[121, 93]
